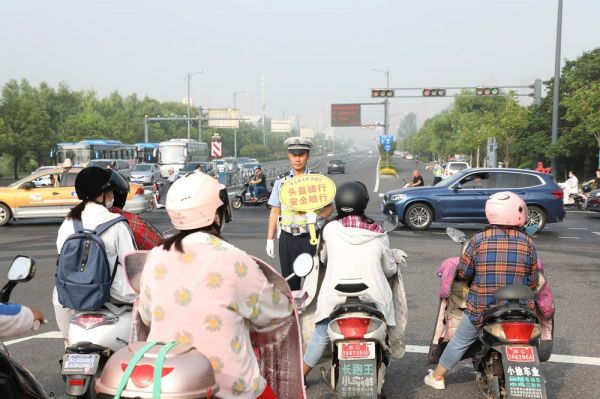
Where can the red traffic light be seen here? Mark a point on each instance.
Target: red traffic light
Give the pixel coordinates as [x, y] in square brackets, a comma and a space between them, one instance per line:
[382, 93]
[434, 92]
[487, 91]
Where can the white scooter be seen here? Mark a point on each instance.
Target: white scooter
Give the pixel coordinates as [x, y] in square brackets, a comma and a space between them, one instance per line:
[93, 336]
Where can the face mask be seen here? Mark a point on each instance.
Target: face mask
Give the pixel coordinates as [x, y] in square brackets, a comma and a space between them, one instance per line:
[109, 204]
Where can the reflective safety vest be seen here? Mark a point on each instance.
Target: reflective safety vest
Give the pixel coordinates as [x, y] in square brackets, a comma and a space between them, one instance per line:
[438, 171]
[289, 217]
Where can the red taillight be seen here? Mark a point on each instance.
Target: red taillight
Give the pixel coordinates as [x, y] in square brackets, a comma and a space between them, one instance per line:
[139, 191]
[517, 333]
[353, 327]
[558, 194]
[92, 320]
[143, 375]
[76, 382]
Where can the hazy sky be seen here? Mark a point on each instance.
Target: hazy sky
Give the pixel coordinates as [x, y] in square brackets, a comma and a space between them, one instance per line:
[312, 53]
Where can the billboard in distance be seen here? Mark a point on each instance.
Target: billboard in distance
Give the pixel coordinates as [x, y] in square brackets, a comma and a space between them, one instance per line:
[224, 118]
[345, 115]
[281, 125]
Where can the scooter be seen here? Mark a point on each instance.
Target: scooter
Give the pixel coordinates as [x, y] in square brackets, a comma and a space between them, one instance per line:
[358, 335]
[242, 198]
[580, 198]
[15, 380]
[187, 373]
[94, 337]
[360, 345]
[506, 355]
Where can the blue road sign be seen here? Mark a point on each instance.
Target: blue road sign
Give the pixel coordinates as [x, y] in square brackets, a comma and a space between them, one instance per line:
[387, 147]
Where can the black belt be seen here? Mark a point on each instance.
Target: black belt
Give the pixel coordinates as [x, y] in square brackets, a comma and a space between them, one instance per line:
[296, 235]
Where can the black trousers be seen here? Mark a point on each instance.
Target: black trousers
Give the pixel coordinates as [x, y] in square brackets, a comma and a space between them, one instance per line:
[290, 246]
[436, 180]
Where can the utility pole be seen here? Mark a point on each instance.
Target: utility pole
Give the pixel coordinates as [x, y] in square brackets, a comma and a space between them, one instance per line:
[189, 105]
[235, 93]
[556, 86]
[385, 101]
[262, 94]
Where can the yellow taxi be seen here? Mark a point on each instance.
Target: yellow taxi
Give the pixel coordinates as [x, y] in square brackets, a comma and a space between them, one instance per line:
[51, 193]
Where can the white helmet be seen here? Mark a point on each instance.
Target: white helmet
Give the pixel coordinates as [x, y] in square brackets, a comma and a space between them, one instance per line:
[193, 200]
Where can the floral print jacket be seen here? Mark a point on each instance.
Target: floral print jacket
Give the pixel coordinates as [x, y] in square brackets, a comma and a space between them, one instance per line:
[205, 297]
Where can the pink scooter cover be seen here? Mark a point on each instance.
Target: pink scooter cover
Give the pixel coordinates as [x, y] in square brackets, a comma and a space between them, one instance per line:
[277, 348]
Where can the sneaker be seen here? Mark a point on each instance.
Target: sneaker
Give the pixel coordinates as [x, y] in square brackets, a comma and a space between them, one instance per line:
[434, 382]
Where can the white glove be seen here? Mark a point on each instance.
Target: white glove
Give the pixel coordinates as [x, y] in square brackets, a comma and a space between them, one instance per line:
[399, 256]
[271, 248]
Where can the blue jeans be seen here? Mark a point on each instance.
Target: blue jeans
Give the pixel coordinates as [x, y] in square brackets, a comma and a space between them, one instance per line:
[317, 345]
[463, 338]
[256, 191]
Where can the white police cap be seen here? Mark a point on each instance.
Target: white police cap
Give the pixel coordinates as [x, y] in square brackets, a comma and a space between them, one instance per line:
[298, 145]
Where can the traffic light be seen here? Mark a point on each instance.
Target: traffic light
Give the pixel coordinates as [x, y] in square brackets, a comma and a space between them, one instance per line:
[382, 93]
[434, 92]
[487, 91]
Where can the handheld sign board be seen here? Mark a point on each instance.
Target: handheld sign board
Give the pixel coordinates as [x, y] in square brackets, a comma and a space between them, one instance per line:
[308, 193]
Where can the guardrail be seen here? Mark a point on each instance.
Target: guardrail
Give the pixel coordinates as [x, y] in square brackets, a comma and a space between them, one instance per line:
[238, 178]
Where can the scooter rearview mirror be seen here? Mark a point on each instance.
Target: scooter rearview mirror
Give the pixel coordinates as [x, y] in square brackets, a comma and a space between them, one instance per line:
[134, 265]
[21, 269]
[456, 235]
[303, 265]
[389, 225]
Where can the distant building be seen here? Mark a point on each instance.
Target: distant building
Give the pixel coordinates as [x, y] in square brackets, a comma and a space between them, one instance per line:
[307, 132]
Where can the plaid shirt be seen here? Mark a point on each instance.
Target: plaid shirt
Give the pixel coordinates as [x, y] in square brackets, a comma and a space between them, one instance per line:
[145, 235]
[360, 223]
[492, 259]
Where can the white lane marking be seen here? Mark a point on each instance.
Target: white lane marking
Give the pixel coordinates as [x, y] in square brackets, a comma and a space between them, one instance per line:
[377, 177]
[577, 228]
[590, 361]
[595, 232]
[440, 233]
[381, 195]
[569, 238]
[586, 360]
[49, 334]
[574, 211]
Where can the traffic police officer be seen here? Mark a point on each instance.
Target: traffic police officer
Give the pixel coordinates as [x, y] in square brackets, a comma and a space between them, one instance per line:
[295, 236]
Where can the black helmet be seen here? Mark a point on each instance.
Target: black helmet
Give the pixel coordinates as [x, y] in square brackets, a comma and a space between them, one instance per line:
[93, 181]
[351, 198]
[120, 187]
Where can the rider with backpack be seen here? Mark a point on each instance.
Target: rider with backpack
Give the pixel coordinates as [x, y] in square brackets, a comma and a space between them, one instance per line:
[92, 243]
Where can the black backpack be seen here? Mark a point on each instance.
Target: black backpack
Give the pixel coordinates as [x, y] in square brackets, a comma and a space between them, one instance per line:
[83, 274]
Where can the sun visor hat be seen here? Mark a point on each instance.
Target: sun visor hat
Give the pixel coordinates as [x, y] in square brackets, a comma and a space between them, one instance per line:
[193, 200]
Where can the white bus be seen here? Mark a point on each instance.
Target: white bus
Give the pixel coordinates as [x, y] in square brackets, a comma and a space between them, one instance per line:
[175, 153]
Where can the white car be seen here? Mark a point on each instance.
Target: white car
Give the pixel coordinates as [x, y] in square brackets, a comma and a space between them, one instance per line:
[409, 157]
[454, 167]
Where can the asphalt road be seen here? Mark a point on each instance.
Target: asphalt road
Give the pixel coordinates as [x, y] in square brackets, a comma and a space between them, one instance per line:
[569, 250]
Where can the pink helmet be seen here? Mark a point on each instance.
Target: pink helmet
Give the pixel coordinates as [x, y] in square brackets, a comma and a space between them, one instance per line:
[193, 200]
[506, 208]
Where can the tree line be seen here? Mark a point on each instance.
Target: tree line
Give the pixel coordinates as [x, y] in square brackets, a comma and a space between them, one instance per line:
[34, 118]
[523, 133]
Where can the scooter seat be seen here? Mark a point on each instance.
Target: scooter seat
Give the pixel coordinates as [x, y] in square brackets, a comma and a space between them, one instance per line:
[508, 312]
[366, 307]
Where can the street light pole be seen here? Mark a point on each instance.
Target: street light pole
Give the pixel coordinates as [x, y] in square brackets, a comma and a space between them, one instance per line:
[556, 86]
[189, 105]
[235, 93]
[386, 101]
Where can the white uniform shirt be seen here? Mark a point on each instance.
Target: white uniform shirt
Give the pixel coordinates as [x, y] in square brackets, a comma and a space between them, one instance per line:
[118, 239]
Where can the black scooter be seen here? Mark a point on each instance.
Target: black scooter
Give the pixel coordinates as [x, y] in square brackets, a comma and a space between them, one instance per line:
[15, 380]
[506, 356]
[242, 198]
